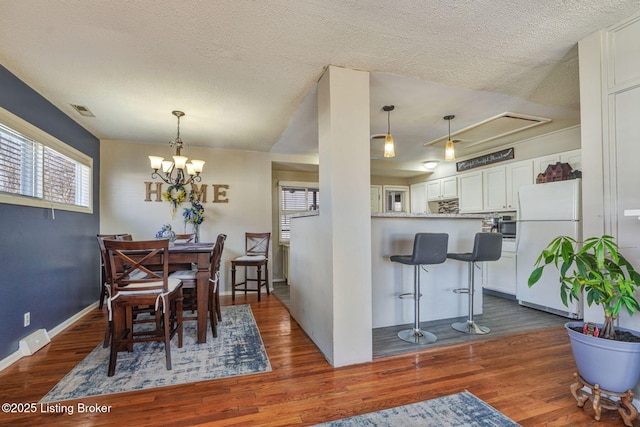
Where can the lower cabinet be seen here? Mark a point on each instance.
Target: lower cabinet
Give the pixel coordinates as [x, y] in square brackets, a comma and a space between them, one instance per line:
[500, 275]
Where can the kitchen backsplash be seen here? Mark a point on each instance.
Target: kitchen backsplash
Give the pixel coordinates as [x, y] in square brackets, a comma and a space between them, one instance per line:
[448, 206]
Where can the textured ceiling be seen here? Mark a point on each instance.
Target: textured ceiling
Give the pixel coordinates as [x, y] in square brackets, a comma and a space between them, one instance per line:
[245, 71]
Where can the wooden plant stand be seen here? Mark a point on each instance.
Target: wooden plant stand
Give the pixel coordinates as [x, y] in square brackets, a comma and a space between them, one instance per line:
[625, 408]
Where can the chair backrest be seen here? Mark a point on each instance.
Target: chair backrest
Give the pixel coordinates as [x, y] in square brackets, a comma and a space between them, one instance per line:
[257, 244]
[487, 247]
[216, 256]
[186, 238]
[127, 261]
[106, 271]
[430, 248]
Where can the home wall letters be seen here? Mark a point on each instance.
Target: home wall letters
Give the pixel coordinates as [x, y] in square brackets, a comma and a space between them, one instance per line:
[153, 192]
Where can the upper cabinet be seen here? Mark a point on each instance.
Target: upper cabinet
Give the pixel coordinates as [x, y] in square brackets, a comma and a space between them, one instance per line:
[573, 157]
[470, 192]
[501, 185]
[495, 185]
[442, 189]
[419, 198]
[496, 188]
[518, 174]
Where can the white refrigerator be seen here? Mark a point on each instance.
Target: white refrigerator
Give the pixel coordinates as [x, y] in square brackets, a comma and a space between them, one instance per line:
[545, 212]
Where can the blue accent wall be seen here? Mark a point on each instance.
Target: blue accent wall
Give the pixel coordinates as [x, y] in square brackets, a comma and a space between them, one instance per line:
[48, 267]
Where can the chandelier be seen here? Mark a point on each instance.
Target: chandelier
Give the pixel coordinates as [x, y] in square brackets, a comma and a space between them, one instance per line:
[173, 172]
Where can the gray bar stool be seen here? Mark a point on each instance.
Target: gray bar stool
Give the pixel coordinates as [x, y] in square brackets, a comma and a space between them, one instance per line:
[486, 247]
[428, 248]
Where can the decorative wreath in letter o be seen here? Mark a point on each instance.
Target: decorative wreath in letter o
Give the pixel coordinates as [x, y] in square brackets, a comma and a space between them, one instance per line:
[180, 197]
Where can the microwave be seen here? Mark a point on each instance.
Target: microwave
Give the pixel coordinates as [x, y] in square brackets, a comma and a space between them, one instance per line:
[507, 227]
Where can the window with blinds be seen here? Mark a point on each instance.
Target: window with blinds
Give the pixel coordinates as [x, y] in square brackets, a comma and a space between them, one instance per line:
[38, 173]
[295, 200]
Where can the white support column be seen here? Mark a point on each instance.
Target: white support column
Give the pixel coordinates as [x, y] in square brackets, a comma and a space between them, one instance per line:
[344, 165]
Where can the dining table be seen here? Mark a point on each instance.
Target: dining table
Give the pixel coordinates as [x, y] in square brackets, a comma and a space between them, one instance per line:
[183, 256]
[188, 256]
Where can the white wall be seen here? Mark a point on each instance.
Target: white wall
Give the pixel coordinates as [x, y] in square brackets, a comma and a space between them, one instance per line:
[124, 168]
[330, 269]
[610, 108]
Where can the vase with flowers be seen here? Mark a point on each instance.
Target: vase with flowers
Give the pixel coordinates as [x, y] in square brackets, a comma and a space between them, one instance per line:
[194, 215]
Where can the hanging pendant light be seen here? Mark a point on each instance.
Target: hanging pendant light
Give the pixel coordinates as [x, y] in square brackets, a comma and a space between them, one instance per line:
[178, 172]
[389, 146]
[449, 151]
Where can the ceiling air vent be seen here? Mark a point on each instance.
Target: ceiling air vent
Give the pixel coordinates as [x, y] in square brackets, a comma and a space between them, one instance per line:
[84, 111]
[495, 127]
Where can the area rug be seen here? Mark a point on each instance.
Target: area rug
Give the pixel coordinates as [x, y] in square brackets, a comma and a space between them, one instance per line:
[456, 410]
[238, 350]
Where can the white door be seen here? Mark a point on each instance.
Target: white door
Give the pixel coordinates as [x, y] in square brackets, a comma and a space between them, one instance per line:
[532, 238]
[376, 198]
[551, 201]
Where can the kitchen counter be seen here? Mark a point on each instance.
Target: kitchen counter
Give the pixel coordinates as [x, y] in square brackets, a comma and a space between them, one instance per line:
[393, 234]
[429, 215]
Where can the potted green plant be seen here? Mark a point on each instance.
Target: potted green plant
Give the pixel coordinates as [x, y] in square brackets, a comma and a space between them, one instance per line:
[596, 271]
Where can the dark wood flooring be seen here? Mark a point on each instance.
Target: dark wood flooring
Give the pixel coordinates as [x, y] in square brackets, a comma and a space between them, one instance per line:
[526, 377]
[503, 316]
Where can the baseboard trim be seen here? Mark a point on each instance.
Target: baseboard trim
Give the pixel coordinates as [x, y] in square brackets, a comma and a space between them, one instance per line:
[12, 358]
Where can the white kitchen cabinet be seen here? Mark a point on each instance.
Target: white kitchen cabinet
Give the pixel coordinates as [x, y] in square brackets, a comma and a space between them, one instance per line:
[434, 192]
[495, 188]
[470, 190]
[442, 189]
[500, 275]
[518, 174]
[501, 184]
[540, 163]
[419, 198]
[449, 187]
[573, 157]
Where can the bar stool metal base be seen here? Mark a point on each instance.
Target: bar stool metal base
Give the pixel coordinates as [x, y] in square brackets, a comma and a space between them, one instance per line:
[417, 336]
[470, 327]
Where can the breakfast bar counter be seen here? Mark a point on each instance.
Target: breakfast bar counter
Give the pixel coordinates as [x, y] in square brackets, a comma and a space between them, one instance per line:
[393, 234]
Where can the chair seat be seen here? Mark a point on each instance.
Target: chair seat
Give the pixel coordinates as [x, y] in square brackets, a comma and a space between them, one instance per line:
[402, 259]
[468, 257]
[184, 274]
[172, 284]
[250, 258]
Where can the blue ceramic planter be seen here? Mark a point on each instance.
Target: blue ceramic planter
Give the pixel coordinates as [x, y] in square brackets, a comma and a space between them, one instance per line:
[614, 365]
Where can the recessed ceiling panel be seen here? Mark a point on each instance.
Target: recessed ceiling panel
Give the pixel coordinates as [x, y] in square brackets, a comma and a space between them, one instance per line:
[493, 128]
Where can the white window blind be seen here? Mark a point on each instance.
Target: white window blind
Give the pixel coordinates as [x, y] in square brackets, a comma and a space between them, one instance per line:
[40, 173]
[294, 200]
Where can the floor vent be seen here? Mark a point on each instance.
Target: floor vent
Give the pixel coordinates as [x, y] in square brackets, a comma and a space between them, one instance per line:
[34, 342]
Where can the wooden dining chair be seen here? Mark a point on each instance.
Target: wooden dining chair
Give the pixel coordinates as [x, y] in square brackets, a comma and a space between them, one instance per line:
[185, 238]
[256, 255]
[133, 284]
[188, 278]
[103, 287]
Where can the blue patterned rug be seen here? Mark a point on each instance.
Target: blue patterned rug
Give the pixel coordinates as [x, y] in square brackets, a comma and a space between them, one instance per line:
[238, 350]
[456, 410]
